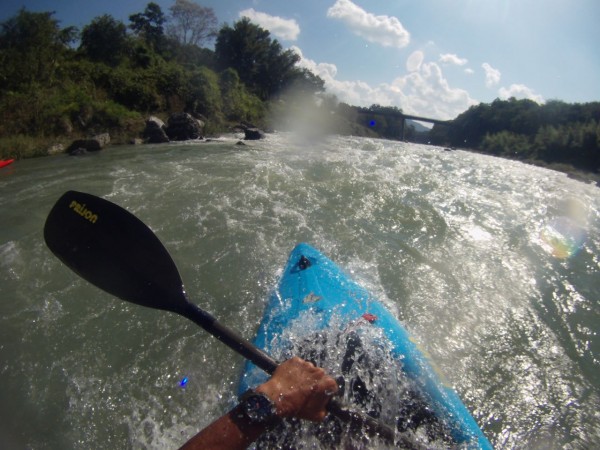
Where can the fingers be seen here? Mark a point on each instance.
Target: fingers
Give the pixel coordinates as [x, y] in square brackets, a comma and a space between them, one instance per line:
[330, 386]
[300, 389]
[322, 388]
[323, 383]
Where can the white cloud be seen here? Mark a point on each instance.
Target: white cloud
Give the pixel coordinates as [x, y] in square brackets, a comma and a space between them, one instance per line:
[383, 30]
[469, 71]
[428, 93]
[492, 76]
[351, 92]
[520, 91]
[451, 58]
[414, 61]
[286, 29]
[423, 92]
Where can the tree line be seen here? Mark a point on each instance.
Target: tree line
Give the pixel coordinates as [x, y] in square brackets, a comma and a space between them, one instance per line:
[61, 81]
[553, 133]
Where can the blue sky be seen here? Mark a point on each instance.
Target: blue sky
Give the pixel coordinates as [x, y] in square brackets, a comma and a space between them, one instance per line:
[429, 57]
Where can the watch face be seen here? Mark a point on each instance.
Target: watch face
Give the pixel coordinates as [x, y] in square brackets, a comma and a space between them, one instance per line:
[258, 408]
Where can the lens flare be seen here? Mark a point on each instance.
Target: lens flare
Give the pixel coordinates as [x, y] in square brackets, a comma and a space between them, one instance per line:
[564, 237]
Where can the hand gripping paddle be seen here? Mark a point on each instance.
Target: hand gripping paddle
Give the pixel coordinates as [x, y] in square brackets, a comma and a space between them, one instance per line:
[115, 251]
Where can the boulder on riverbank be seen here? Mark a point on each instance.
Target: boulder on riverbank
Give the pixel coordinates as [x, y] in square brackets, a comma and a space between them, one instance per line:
[183, 127]
[155, 131]
[253, 134]
[56, 149]
[251, 131]
[92, 144]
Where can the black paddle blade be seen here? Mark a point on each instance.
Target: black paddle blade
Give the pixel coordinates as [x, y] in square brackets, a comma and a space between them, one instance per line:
[114, 250]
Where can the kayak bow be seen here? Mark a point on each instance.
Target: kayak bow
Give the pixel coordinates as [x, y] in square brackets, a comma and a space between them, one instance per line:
[314, 298]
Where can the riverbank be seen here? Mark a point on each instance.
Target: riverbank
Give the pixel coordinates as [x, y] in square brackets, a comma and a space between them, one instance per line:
[572, 172]
[24, 147]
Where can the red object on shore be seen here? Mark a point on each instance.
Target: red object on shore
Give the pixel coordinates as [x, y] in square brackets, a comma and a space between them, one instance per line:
[6, 162]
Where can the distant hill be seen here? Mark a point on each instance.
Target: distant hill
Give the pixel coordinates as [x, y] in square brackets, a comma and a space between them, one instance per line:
[419, 128]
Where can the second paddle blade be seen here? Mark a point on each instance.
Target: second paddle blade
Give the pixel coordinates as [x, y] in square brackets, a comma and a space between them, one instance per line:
[114, 250]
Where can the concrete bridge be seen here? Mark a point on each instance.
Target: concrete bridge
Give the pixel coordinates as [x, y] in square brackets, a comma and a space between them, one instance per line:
[403, 118]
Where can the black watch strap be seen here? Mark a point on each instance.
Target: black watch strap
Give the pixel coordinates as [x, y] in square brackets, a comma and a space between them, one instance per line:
[256, 408]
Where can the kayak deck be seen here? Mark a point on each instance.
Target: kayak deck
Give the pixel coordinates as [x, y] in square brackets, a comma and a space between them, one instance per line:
[322, 315]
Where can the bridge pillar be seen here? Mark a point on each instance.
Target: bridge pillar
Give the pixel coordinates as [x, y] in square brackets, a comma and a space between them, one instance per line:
[402, 124]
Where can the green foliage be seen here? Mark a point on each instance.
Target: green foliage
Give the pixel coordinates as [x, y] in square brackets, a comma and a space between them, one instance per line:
[191, 56]
[21, 146]
[37, 111]
[58, 111]
[508, 144]
[149, 25]
[32, 48]
[303, 81]
[263, 66]
[104, 40]
[383, 120]
[143, 56]
[515, 116]
[109, 114]
[48, 89]
[556, 132]
[238, 103]
[577, 144]
[204, 94]
[134, 89]
[170, 80]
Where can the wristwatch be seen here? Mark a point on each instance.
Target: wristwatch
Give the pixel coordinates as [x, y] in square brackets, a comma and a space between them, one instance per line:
[257, 408]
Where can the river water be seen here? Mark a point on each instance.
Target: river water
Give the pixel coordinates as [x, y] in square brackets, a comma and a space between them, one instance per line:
[492, 265]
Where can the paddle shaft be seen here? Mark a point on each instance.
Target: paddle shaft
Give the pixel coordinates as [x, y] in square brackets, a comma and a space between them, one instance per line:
[230, 338]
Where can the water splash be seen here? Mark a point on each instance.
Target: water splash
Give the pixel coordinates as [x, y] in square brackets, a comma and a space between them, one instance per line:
[371, 379]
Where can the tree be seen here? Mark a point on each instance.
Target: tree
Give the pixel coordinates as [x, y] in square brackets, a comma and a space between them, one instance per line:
[385, 121]
[204, 94]
[149, 25]
[260, 61]
[32, 47]
[508, 144]
[303, 80]
[104, 40]
[191, 23]
[191, 56]
[238, 103]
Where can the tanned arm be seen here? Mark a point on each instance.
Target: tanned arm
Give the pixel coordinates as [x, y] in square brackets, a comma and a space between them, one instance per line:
[297, 388]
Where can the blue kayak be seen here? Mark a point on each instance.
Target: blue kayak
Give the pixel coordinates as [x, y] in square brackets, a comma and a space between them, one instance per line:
[319, 313]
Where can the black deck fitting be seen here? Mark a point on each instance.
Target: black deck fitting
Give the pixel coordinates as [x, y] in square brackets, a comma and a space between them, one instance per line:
[304, 263]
